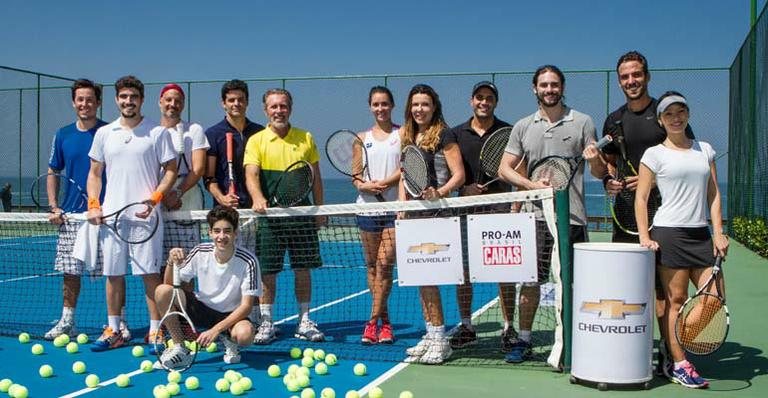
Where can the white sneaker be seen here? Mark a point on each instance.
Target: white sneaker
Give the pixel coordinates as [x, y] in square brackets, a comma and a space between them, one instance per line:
[61, 327]
[231, 350]
[438, 351]
[419, 349]
[176, 357]
[125, 331]
[307, 330]
[266, 332]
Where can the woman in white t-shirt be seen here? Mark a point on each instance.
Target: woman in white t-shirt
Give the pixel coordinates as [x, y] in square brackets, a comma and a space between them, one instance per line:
[377, 231]
[684, 171]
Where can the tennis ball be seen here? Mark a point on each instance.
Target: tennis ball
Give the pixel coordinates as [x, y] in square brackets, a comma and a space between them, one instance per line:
[222, 385]
[72, 347]
[236, 389]
[406, 394]
[146, 366]
[193, 346]
[64, 339]
[295, 352]
[122, 380]
[273, 371]
[161, 392]
[92, 380]
[352, 394]
[293, 385]
[231, 376]
[192, 383]
[328, 392]
[308, 352]
[21, 392]
[376, 392]
[46, 371]
[321, 368]
[137, 351]
[293, 368]
[212, 347]
[319, 355]
[288, 377]
[246, 383]
[174, 376]
[82, 338]
[173, 388]
[330, 359]
[78, 367]
[38, 349]
[360, 369]
[12, 389]
[24, 338]
[302, 371]
[307, 362]
[307, 393]
[5, 384]
[302, 381]
[59, 341]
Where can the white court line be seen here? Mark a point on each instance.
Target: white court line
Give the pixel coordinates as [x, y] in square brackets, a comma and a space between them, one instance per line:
[102, 384]
[22, 278]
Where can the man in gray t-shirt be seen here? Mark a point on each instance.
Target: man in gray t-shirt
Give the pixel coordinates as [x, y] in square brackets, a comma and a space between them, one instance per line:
[554, 129]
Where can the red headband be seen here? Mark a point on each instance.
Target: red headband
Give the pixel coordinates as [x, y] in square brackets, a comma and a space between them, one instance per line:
[171, 86]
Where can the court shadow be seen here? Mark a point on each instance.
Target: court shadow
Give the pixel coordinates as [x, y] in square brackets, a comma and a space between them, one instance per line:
[732, 367]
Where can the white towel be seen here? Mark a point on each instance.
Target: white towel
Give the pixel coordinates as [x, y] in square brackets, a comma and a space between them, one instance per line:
[86, 247]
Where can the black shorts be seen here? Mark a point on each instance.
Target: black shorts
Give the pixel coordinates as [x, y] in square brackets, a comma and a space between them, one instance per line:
[201, 315]
[683, 247]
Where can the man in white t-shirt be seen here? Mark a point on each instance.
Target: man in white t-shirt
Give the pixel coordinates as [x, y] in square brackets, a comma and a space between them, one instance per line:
[228, 282]
[133, 151]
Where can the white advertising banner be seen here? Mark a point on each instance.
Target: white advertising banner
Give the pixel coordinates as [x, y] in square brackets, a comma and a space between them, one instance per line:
[502, 247]
[429, 252]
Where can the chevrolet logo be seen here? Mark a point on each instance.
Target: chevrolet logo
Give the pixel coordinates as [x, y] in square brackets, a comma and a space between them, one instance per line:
[612, 309]
[428, 248]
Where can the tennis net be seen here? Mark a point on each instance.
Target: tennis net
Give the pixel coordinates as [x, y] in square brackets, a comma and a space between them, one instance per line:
[341, 298]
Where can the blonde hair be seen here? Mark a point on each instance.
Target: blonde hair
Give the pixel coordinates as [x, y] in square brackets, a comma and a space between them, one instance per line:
[409, 129]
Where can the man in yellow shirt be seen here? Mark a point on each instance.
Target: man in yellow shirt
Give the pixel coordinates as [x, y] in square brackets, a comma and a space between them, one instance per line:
[267, 154]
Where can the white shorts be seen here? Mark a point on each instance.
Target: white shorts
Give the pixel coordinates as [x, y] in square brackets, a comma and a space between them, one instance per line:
[65, 262]
[146, 258]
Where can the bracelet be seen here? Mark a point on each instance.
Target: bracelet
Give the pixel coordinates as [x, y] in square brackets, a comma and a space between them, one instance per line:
[156, 197]
[93, 203]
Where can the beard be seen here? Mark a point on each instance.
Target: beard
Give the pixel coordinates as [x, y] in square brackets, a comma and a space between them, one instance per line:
[548, 103]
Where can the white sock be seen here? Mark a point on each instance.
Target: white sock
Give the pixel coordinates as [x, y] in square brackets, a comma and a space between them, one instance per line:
[506, 325]
[467, 322]
[680, 364]
[67, 314]
[154, 324]
[438, 332]
[525, 335]
[303, 311]
[266, 311]
[114, 322]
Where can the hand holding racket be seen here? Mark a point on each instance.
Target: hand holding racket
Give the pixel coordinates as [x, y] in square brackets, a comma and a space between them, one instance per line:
[135, 223]
[59, 195]
[177, 323]
[703, 320]
[558, 171]
[230, 198]
[415, 173]
[347, 154]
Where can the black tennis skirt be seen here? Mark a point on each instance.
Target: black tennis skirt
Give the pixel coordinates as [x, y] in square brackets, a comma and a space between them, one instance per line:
[683, 247]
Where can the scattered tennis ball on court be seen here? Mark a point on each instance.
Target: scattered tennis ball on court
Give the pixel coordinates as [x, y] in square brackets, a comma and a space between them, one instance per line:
[38, 349]
[307, 393]
[236, 389]
[406, 394]
[12, 389]
[352, 394]
[331, 359]
[302, 380]
[174, 376]
[65, 339]
[92, 380]
[360, 369]
[58, 342]
[24, 338]
[212, 347]
[137, 351]
[122, 380]
[231, 376]
[293, 368]
[319, 355]
[246, 383]
[82, 338]
[146, 366]
[173, 388]
[46, 371]
[273, 371]
[161, 392]
[302, 371]
[78, 367]
[21, 392]
[308, 352]
[192, 383]
[321, 368]
[72, 347]
[193, 346]
[295, 352]
[222, 385]
[328, 392]
[376, 392]
[5, 384]
[293, 385]
[307, 362]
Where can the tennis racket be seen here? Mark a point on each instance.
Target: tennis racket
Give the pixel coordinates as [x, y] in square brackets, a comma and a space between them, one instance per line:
[57, 190]
[135, 223]
[181, 355]
[622, 205]
[491, 153]
[347, 154]
[414, 170]
[230, 161]
[193, 198]
[558, 171]
[293, 185]
[703, 320]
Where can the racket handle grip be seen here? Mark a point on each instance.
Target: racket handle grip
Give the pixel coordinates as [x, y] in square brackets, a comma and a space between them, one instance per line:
[604, 141]
[176, 276]
[230, 159]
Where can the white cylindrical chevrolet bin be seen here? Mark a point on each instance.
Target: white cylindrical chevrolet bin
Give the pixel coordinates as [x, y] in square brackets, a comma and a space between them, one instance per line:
[613, 312]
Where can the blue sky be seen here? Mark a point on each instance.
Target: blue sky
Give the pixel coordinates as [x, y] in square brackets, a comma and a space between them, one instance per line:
[197, 40]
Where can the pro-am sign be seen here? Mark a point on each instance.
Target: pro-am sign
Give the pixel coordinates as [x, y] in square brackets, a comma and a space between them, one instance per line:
[502, 247]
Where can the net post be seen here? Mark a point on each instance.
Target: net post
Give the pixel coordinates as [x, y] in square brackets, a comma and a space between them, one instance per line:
[562, 211]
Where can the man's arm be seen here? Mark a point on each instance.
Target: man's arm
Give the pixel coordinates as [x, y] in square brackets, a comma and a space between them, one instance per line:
[253, 184]
[93, 187]
[170, 171]
[317, 186]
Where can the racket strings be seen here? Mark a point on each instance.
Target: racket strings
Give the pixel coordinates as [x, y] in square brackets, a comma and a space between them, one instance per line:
[555, 171]
[702, 324]
[415, 173]
[131, 227]
[347, 153]
[294, 184]
[493, 150]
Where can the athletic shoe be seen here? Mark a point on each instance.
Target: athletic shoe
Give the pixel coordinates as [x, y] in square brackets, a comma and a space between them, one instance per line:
[176, 357]
[61, 327]
[508, 339]
[370, 334]
[520, 352]
[385, 334]
[438, 351]
[419, 349]
[307, 330]
[152, 337]
[125, 331]
[108, 340]
[463, 337]
[688, 377]
[664, 365]
[266, 333]
[231, 350]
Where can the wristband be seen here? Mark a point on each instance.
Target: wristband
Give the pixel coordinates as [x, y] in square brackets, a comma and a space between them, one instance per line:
[93, 203]
[156, 197]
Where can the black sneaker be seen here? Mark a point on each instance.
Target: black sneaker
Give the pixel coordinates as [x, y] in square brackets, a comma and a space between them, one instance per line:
[463, 337]
[508, 339]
